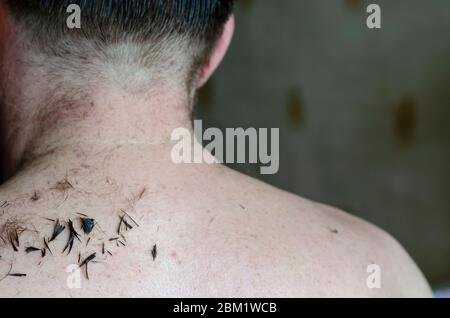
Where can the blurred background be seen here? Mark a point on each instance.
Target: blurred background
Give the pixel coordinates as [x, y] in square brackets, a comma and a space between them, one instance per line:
[363, 114]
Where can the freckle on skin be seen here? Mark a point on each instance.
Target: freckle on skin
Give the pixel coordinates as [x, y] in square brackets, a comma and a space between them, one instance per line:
[334, 231]
[35, 196]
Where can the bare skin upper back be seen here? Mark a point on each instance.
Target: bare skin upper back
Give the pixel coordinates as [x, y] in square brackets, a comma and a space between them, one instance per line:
[242, 238]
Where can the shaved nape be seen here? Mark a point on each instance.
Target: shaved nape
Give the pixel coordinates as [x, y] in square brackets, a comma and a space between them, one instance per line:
[152, 34]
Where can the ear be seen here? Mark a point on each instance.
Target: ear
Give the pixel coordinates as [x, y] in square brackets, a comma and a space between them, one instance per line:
[218, 52]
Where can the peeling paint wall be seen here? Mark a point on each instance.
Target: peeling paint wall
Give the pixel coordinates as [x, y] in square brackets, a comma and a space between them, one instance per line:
[363, 114]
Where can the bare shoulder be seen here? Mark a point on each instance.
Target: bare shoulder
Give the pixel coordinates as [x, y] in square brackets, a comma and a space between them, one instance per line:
[399, 275]
[321, 251]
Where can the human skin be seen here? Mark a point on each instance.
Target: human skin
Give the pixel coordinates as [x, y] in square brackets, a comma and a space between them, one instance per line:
[198, 230]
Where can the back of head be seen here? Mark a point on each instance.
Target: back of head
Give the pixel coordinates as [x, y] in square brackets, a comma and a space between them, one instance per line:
[127, 41]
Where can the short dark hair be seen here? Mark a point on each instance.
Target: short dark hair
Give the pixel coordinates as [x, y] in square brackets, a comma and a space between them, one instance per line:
[107, 22]
[110, 19]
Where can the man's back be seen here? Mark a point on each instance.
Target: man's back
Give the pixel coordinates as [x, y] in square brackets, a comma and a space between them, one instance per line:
[97, 207]
[162, 229]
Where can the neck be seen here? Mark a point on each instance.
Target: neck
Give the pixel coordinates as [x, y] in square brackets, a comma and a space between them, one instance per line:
[106, 120]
